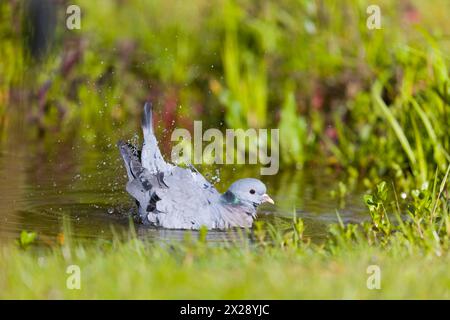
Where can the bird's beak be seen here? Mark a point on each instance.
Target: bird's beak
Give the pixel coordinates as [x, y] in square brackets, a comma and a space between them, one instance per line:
[266, 198]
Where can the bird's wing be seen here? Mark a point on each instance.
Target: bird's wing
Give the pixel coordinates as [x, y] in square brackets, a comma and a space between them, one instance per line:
[141, 183]
[130, 155]
[187, 202]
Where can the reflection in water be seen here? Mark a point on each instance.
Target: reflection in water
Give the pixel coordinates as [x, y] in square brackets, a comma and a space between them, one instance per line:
[66, 175]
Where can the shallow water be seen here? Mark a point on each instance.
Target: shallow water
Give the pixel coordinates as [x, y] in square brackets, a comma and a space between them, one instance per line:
[77, 176]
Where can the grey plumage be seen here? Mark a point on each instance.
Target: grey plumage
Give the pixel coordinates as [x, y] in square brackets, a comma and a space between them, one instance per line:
[151, 155]
[181, 198]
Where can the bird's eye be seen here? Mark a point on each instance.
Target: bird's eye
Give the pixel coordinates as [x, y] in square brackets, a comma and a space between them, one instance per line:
[252, 191]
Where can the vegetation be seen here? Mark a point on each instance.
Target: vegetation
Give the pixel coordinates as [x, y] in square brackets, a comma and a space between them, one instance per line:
[372, 104]
[195, 271]
[306, 67]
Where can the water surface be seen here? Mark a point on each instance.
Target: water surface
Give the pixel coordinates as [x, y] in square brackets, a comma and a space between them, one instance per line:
[76, 174]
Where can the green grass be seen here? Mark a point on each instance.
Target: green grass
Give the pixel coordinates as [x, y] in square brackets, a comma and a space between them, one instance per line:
[136, 270]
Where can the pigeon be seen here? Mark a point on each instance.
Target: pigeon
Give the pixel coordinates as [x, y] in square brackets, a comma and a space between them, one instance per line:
[175, 197]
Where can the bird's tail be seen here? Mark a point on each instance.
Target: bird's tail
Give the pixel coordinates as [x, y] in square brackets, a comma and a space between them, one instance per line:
[147, 120]
[151, 155]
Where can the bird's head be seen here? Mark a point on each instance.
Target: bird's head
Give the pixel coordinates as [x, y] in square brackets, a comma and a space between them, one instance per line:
[250, 192]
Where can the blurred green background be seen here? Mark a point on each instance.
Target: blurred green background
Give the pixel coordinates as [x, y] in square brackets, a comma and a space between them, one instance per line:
[338, 91]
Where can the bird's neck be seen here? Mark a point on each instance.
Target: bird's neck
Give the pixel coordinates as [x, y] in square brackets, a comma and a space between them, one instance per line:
[236, 213]
[230, 198]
